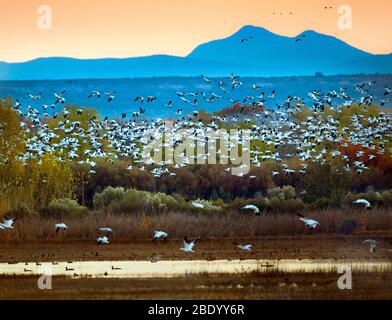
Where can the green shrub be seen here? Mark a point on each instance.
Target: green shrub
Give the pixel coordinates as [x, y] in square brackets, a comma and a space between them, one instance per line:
[288, 192]
[64, 207]
[321, 203]
[387, 198]
[20, 211]
[107, 196]
[375, 198]
[209, 206]
[290, 205]
[284, 193]
[118, 200]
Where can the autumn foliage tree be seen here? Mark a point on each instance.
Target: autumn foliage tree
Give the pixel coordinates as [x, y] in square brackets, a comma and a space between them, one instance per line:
[36, 182]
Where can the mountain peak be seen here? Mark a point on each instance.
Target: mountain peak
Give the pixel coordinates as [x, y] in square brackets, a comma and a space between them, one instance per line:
[253, 45]
[312, 33]
[250, 30]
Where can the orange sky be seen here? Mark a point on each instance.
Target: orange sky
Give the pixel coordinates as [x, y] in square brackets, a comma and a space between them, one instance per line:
[125, 28]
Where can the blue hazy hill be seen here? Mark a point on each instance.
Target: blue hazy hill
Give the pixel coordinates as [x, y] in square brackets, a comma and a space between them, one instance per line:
[266, 47]
[263, 54]
[304, 54]
[58, 68]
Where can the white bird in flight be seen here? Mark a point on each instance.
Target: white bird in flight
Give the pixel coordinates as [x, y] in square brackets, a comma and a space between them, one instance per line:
[7, 223]
[59, 97]
[310, 223]
[60, 226]
[246, 247]
[206, 79]
[108, 230]
[188, 245]
[363, 202]
[197, 205]
[103, 240]
[160, 235]
[255, 209]
[94, 93]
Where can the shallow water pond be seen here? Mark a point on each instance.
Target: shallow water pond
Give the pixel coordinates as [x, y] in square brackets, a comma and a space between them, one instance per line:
[149, 269]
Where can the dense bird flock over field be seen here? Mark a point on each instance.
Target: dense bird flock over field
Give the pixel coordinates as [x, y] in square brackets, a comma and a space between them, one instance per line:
[340, 142]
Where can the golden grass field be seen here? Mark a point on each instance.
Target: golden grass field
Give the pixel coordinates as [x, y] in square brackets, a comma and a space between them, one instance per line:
[215, 225]
[234, 287]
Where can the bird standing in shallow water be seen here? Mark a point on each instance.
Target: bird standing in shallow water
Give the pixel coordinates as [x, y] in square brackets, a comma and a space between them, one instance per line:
[372, 245]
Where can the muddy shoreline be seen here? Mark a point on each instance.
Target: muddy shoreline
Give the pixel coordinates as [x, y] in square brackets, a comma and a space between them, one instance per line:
[309, 286]
[311, 247]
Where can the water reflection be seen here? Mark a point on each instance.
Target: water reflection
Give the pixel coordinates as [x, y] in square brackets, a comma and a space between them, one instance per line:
[148, 269]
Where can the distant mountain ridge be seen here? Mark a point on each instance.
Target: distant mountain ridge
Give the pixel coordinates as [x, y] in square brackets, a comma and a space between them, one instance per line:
[252, 51]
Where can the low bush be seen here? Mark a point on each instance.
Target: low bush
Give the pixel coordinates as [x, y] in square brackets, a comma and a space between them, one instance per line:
[387, 197]
[321, 203]
[20, 211]
[64, 207]
[119, 200]
[283, 193]
[375, 198]
[209, 206]
[276, 204]
[289, 205]
[106, 197]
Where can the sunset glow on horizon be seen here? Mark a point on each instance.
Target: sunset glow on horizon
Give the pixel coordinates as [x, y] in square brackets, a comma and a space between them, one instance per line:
[128, 28]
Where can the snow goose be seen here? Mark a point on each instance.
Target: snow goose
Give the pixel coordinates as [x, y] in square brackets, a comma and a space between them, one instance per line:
[245, 247]
[160, 235]
[60, 226]
[105, 229]
[103, 240]
[255, 209]
[94, 93]
[372, 243]
[7, 223]
[310, 223]
[188, 245]
[363, 202]
[197, 205]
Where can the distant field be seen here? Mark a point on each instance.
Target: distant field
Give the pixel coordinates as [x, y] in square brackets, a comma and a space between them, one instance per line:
[236, 287]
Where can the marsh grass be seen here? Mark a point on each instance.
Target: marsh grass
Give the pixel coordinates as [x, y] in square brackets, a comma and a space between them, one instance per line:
[208, 226]
[274, 285]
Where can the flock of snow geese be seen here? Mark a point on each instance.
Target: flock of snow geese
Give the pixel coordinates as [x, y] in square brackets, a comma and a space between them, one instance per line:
[275, 127]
